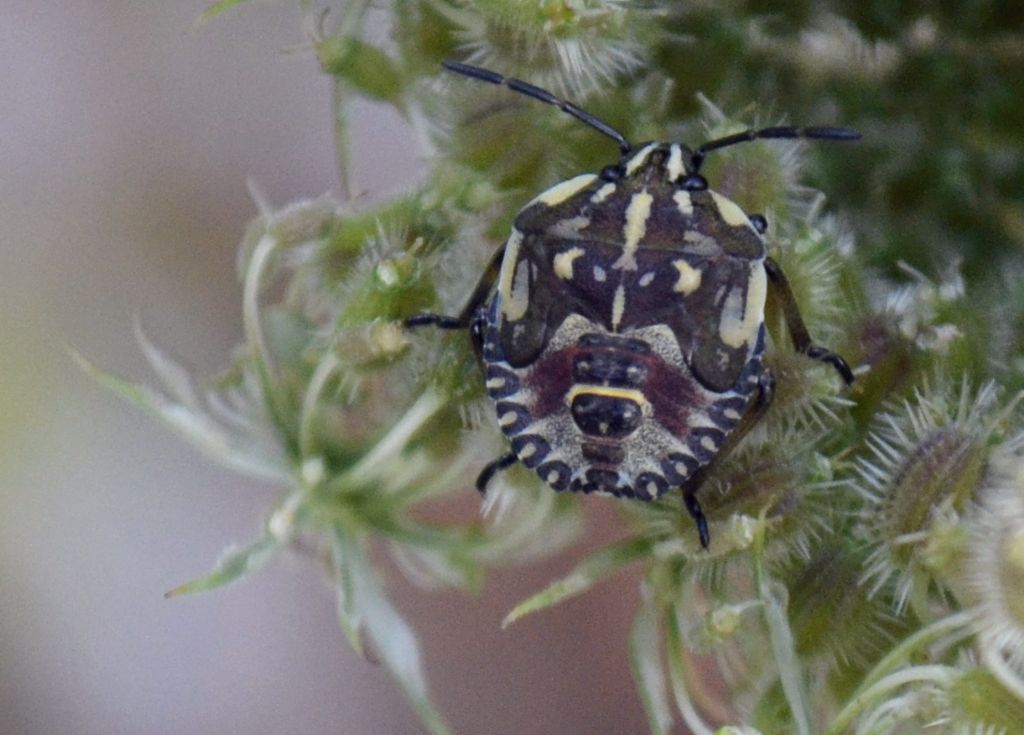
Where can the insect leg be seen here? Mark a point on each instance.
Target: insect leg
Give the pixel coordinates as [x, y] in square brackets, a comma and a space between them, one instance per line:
[464, 320]
[690, 499]
[755, 412]
[797, 329]
[492, 468]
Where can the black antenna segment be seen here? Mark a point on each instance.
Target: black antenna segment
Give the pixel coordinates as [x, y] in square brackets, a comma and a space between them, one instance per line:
[697, 158]
[517, 85]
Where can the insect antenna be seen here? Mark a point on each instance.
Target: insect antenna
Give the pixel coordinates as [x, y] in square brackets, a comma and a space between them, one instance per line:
[820, 133]
[517, 85]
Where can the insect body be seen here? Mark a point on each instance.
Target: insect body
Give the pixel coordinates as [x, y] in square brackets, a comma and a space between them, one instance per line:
[621, 327]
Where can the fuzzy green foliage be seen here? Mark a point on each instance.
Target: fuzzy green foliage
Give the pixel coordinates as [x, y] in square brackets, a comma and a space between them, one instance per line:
[865, 572]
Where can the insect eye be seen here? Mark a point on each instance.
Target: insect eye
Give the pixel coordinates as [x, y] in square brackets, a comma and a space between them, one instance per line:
[759, 222]
[612, 173]
[695, 182]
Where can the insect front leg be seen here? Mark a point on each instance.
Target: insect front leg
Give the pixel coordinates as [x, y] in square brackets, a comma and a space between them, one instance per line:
[465, 318]
[779, 284]
[754, 413]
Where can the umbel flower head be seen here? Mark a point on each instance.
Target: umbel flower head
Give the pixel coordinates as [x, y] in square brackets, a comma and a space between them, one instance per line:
[573, 48]
[927, 461]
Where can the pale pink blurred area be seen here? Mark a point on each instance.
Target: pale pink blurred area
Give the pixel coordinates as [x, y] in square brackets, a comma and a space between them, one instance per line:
[126, 139]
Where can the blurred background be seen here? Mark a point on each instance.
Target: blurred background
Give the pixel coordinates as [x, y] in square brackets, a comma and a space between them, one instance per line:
[126, 139]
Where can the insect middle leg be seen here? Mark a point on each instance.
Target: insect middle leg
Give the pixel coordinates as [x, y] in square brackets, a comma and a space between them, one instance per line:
[755, 412]
[795, 323]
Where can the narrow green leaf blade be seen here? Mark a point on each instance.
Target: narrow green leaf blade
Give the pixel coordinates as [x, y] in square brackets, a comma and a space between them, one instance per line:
[249, 455]
[219, 7]
[590, 571]
[232, 565]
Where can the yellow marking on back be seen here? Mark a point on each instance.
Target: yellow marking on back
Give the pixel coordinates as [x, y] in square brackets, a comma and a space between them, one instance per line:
[607, 391]
[563, 263]
[683, 201]
[603, 193]
[730, 211]
[689, 278]
[675, 167]
[638, 160]
[740, 321]
[513, 284]
[634, 229]
[618, 306]
[560, 192]
[571, 226]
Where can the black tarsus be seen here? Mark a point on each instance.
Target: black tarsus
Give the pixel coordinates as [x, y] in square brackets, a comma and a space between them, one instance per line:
[517, 85]
[822, 354]
[798, 333]
[693, 506]
[754, 413]
[436, 320]
[492, 468]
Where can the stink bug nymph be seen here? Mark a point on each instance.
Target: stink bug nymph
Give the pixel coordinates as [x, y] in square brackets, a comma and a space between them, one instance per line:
[621, 327]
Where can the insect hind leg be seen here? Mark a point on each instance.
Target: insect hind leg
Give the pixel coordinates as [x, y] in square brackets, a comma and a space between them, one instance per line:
[754, 413]
[492, 468]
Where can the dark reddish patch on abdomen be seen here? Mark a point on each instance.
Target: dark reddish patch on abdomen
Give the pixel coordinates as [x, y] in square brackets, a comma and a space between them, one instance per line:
[605, 360]
[673, 395]
[550, 379]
